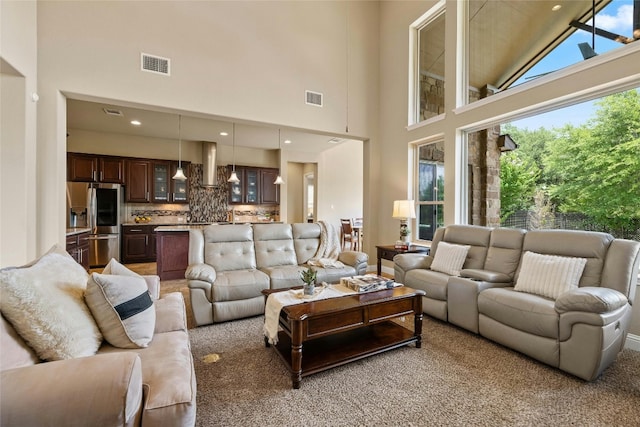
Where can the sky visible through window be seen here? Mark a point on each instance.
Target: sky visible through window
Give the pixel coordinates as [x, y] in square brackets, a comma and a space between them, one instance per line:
[617, 18]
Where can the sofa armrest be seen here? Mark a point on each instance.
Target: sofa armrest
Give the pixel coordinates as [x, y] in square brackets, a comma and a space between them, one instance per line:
[353, 258]
[101, 390]
[203, 272]
[153, 283]
[485, 275]
[412, 261]
[590, 299]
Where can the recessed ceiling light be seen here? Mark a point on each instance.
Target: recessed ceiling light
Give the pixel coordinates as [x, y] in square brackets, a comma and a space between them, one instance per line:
[287, 141]
[224, 133]
[136, 122]
[556, 7]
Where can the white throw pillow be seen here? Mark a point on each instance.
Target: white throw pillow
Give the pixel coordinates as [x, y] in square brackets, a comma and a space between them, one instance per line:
[44, 301]
[449, 258]
[122, 308]
[549, 275]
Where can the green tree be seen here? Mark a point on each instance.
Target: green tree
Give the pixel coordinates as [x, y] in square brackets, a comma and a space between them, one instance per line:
[596, 167]
[517, 184]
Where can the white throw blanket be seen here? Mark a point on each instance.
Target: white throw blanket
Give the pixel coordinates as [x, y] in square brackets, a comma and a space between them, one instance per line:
[277, 300]
[329, 248]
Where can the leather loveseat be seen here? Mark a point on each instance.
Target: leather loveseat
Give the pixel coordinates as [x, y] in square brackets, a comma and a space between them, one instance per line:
[580, 331]
[230, 265]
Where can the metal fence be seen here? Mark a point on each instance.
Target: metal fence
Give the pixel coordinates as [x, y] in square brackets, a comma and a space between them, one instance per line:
[530, 220]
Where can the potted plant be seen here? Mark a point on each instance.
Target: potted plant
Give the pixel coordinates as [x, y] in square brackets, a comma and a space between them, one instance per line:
[308, 276]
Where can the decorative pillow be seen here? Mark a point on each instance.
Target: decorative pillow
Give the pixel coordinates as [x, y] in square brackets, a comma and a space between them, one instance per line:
[449, 258]
[549, 275]
[44, 302]
[122, 308]
[115, 268]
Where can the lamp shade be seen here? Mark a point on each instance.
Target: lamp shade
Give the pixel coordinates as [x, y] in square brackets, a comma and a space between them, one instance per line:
[180, 175]
[404, 209]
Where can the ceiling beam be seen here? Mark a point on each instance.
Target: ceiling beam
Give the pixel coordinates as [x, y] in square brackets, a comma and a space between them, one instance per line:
[603, 33]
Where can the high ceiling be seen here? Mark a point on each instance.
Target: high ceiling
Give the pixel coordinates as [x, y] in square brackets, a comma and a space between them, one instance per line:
[507, 38]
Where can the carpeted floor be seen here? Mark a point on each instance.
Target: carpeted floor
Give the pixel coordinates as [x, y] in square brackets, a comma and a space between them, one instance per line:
[455, 379]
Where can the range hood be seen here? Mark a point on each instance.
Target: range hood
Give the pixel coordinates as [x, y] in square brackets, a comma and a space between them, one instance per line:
[209, 160]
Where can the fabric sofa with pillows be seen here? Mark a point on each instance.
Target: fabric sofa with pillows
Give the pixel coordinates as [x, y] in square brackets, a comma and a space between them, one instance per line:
[230, 265]
[99, 349]
[562, 297]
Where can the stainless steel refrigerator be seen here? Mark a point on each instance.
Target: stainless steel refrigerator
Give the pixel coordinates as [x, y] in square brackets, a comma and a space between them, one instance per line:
[99, 208]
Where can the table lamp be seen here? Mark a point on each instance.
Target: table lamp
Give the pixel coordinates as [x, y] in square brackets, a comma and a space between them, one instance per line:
[403, 210]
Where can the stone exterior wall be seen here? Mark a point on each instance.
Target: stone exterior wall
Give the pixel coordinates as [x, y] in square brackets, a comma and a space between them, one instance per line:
[483, 154]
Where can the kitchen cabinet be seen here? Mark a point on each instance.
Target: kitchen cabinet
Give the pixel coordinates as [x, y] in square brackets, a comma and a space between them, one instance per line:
[138, 243]
[95, 168]
[77, 246]
[173, 254]
[256, 187]
[164, 188]
[137, 179]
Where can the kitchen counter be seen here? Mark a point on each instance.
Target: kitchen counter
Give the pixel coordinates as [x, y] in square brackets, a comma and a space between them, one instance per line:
[196, 226]
[77, 230]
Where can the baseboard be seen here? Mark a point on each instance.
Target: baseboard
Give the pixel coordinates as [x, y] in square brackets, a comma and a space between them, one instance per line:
[632, 342]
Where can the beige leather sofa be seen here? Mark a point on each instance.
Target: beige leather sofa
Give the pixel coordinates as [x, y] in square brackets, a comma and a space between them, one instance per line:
[230, 265]
[153, 386]
[580, 332]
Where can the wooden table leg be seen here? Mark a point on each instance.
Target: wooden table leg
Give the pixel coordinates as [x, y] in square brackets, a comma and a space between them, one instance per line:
[296, 354]
[417, 328]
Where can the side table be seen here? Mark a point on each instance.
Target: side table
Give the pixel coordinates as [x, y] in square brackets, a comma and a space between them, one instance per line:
[389, 251]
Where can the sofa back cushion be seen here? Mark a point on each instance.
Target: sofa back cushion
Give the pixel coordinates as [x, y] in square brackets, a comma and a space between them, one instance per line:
[273, 245]
[306, 240]
[15, 352]
[476, 237]
[505, 249]
[572, 243]
[229, 247]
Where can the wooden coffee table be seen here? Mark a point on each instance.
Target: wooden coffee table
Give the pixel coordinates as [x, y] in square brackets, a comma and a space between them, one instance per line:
[323, 334]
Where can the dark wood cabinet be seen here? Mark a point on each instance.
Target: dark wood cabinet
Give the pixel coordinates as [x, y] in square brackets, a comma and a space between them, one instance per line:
[138, 243]
[77, 246]
[138, 176]
[173, 254]
[165, 189]
[94, 168]
[256, 186]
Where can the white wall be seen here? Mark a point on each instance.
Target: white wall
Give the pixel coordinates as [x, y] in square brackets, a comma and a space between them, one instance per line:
[18, 81]
[245, 60]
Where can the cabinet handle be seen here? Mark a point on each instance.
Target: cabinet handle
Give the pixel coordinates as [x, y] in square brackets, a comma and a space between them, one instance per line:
[147, 195]
[146, 239]
[93, 175]
[134, 230]
[101, 175]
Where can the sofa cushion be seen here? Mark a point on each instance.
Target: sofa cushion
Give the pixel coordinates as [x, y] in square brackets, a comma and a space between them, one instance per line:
[170, 313]
[122, 308]
[549, 275]
[433, 283]
[449, 258]
[284, 276]
[115, 268]
[239, 285]
[45, 304]
[523, 311]
[15, 352]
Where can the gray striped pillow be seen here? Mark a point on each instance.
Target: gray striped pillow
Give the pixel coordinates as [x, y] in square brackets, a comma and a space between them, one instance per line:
[549, 275]
[122, 308]
[449, 258]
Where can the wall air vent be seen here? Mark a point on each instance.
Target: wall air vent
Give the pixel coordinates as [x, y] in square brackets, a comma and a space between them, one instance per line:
[313, 98]
[113, 112]
[155, 64]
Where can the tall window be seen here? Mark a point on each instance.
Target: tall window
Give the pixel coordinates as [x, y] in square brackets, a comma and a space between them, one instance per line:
[430, 188]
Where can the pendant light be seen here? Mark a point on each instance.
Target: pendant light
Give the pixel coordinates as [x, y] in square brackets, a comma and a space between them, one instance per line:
[234, 177]
[179, 176]
[279, 179]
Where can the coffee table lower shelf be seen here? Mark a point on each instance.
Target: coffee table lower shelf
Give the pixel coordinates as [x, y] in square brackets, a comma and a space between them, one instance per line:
[334, 350]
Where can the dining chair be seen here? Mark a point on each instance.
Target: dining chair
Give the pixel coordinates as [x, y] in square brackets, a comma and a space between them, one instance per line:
[346, 231]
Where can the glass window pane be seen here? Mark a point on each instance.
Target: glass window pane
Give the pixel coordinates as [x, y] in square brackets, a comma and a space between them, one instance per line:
[431, 69]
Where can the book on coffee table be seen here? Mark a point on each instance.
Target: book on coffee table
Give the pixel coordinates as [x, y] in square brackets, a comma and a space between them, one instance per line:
[367, 283]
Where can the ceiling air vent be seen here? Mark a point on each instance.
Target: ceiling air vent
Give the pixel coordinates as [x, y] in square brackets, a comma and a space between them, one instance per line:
[336, 140]
[113, 112]
[155, 64]
[313, 98]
